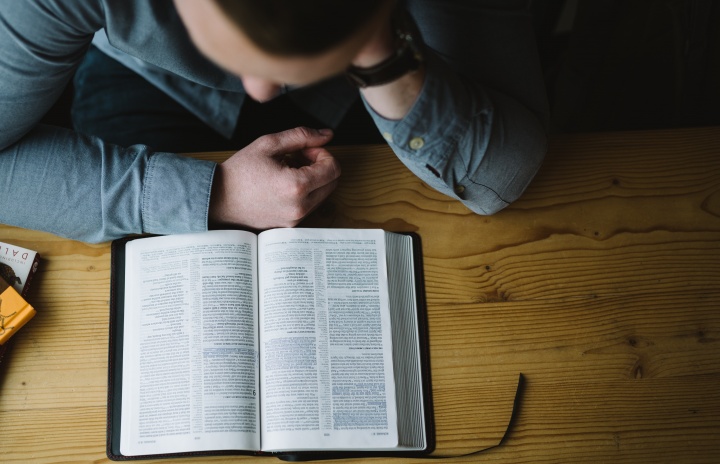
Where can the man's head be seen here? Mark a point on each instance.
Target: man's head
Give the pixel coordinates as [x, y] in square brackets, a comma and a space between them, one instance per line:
[270, 43]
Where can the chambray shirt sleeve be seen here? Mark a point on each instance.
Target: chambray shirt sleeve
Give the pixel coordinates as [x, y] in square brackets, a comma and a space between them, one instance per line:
[66, 183]
[477, 131]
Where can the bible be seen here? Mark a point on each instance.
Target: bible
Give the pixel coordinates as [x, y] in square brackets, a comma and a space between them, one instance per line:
[295, 343]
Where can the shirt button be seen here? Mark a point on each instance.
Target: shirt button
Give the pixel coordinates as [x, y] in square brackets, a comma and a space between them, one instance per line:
[416, 143]
[459, 189]
[387, 136]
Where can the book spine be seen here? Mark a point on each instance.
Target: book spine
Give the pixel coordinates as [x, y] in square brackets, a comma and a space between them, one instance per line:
[31, 273]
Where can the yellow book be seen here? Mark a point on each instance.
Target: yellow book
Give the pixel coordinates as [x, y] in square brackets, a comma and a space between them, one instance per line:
[14, 311]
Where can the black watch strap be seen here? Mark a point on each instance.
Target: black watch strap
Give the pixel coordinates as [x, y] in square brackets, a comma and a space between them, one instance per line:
[407, 57]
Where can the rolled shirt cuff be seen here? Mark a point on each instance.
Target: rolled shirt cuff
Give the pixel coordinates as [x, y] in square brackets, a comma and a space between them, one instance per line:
[176, 194]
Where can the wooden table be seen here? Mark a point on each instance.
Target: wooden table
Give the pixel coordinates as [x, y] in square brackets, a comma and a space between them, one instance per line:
[601, 285]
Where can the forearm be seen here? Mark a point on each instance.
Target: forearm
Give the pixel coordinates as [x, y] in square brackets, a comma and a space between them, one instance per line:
[394, 99]
[473, 144]
[79, 187]
[66, 183]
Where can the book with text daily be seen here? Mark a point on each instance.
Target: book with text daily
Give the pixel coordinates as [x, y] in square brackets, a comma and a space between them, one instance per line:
[18, 266]
[293, 342]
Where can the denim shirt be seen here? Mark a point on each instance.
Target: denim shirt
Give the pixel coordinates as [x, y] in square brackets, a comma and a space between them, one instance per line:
[475, 133]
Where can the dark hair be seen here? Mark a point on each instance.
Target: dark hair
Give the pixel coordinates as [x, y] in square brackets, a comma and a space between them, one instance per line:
[299, 27]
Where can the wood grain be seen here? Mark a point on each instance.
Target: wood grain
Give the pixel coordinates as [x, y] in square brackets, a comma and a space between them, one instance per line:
[601, 285]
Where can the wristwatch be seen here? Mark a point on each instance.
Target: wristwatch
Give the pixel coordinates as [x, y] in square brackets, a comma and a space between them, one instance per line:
[408, 55]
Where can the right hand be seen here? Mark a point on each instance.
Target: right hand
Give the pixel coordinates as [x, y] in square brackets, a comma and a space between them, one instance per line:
[257, 188]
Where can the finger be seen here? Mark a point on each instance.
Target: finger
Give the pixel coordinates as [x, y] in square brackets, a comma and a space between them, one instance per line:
[314, 154]
[293, 140]
[304, 157]
[323, 169]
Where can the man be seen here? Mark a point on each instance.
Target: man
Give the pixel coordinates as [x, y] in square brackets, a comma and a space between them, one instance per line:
[464, 110]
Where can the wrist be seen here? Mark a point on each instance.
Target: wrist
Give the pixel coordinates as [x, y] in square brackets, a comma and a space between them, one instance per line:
[397, 50]
[216, 207]
[214, 214]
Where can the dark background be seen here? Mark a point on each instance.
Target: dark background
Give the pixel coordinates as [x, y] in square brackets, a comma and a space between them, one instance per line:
[609, 65]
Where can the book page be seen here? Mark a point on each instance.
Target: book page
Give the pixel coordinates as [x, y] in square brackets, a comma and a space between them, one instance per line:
[190, 372]
[326, 349]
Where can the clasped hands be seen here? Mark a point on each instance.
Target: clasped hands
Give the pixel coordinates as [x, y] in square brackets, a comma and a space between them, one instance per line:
[258, 187]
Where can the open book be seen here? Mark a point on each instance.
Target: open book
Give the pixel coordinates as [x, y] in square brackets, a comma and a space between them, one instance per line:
[292, 342]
